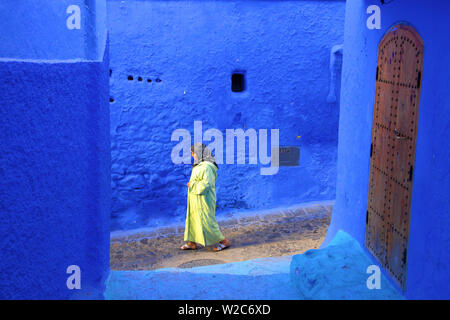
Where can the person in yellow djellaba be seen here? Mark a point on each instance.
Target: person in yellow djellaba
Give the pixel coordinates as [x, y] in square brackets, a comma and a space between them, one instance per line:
[201, 225]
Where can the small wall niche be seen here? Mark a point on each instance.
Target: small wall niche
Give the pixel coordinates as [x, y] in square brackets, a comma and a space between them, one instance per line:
[238, 81]
[141, 78]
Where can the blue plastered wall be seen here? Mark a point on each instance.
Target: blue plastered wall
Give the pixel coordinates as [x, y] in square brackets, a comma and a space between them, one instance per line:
[188, 51]
[55, 150]
[428, 271]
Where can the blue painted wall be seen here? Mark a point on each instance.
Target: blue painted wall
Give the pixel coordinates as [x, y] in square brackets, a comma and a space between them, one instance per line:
[33, 29]
[428, 254]
[55, 152]
[188, 50]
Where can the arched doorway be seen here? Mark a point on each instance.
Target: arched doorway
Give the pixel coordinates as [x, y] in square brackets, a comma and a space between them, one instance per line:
[395, 115]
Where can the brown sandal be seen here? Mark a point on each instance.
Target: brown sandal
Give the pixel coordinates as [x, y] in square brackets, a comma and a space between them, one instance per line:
[222, 245]
[186, 246]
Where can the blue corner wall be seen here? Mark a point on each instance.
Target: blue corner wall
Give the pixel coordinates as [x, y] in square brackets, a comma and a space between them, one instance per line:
[428, 270]
[33, 29]
[55, 152]
[181, 55]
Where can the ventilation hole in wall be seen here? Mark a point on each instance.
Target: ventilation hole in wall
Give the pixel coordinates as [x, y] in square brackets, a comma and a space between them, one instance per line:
[237, 82]
[130, 78]
[149, 80]
[110, 72]
[111, 99]
[139, 78]
[158, 80]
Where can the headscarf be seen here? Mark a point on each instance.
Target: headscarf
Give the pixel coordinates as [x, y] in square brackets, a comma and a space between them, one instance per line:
[203, 154]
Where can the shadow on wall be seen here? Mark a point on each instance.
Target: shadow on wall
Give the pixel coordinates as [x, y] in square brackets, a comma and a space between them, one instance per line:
[180, 70]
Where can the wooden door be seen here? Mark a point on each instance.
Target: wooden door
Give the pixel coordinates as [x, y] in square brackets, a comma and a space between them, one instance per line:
[392, 152]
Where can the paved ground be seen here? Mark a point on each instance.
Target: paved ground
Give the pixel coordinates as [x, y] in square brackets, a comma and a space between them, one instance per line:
[266, 234]
[258, 279]
[337, 271]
